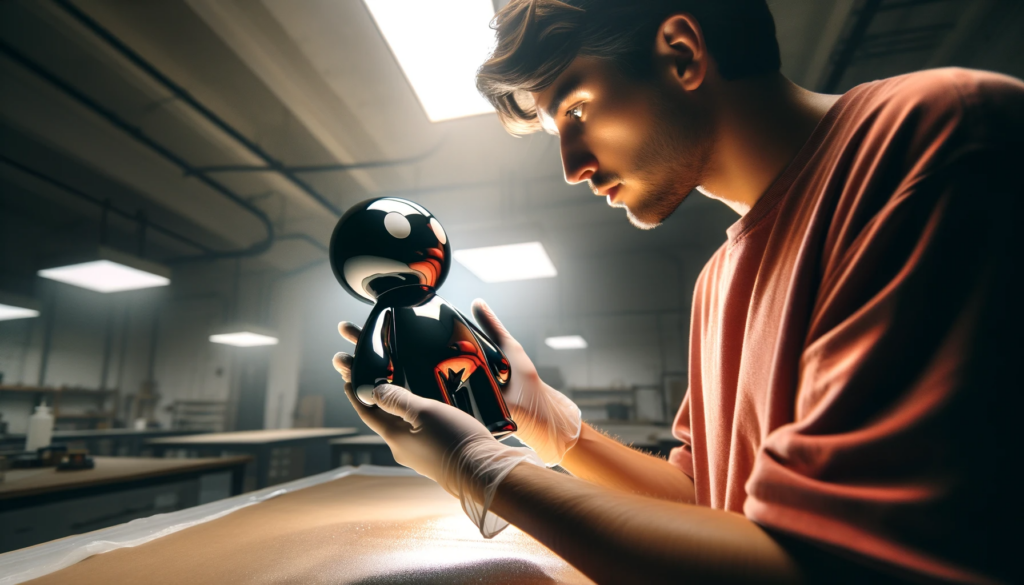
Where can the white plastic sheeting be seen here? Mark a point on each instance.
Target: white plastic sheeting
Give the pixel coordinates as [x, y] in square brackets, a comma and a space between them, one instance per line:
[35, 561]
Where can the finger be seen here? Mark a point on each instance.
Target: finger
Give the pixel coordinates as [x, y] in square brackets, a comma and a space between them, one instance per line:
[380, 421]
[350, 331]
[343, 363]
[489, 322]
[400, 402]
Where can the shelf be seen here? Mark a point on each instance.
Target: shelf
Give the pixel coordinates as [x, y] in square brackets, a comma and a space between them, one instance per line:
[85, 391]
[25, 389]
[581, 402]
[62, 396]
[50, 390]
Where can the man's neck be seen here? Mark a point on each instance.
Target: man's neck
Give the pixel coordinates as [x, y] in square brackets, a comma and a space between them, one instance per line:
[762, 124]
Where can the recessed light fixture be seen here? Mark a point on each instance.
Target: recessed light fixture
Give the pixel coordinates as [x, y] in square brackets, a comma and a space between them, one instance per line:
[112, 272]
[439, 48]
[566, 342]
[11, 312]
[14, 306]
[243, 339]
[507, 263]
[104, 276]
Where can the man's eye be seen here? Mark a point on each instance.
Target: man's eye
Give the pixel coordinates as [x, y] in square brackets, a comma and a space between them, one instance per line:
[575, 112]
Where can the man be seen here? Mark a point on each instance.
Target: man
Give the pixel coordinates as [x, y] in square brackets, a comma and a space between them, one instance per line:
[853, 391]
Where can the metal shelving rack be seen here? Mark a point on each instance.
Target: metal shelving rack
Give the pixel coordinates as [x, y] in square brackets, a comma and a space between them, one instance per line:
[102, 417]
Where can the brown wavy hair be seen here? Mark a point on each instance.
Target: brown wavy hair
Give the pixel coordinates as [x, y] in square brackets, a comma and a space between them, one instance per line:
[538, 39]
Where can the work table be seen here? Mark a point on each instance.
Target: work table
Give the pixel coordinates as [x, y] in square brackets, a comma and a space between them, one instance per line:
[396, 528]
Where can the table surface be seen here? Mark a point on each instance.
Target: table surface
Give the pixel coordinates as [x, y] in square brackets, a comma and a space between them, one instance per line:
[359, 440]
[357, 529]
[253, 437]
[103, 434]
[29, 482]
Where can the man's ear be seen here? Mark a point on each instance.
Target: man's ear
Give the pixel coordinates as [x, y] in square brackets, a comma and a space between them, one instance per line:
[680, 46]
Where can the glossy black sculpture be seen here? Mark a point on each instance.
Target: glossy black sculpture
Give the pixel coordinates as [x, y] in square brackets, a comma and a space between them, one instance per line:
[395, 254]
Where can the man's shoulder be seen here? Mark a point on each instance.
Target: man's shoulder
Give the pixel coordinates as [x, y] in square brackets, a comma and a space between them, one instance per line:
[711, 269]
[942, 87]
[991, 104]
[947, 78]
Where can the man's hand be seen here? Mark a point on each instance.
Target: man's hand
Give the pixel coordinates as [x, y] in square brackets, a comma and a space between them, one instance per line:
[446, 445]
[550, 424]
[547, 420]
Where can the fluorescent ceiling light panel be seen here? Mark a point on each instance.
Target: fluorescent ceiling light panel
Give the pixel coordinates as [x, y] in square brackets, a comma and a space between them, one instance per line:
[566, 342]
[105, 276]
[439, 46]
[9, 312]
[507, 263]
[243, 339]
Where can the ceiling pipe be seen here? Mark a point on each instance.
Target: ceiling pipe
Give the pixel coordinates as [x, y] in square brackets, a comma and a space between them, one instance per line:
[138, 135]
[186, 97]
[908, 4]
[103, 204]
[324, 168]
[853, 42]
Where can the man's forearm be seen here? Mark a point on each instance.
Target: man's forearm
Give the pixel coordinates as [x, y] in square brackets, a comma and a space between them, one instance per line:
[604, 461]
[616, 537]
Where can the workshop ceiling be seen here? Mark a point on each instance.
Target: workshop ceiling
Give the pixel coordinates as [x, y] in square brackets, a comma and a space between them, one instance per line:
[108, 97]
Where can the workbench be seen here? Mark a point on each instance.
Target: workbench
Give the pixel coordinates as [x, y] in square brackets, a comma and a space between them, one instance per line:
[40, 504]
[279, 455]
[361, 450]
[379, 525]
[115, 442]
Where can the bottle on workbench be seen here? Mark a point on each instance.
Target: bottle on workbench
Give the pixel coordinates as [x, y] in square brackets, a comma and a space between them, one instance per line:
[40, 428]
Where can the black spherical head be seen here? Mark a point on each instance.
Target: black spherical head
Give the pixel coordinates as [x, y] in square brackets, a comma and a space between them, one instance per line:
[385, 243]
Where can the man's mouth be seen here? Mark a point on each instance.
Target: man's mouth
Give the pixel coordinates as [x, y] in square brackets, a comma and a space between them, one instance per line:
[610, 191]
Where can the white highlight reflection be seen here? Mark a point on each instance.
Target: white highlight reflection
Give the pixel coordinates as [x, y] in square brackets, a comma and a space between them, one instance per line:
[431, 309]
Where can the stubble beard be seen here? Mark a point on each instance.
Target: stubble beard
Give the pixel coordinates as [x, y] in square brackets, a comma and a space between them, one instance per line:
[655, 206]
[670, 165]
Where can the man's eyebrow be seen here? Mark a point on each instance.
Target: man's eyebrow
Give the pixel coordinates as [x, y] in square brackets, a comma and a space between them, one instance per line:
[563, 91]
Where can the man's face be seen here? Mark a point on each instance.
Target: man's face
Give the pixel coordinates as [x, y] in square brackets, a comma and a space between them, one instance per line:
[643, 144]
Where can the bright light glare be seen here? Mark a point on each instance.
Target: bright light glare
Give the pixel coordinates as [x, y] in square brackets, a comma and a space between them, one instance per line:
[439, 48]
[243, 339]
[105, 276]
[8, 312]
[507, 263]
[566, 342]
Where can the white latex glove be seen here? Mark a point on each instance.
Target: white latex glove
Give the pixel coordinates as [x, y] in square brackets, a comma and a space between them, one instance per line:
[547, 420]
[446, 445]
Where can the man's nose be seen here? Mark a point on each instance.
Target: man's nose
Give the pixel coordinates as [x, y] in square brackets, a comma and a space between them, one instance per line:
[578, 164]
